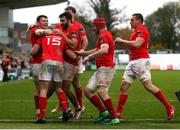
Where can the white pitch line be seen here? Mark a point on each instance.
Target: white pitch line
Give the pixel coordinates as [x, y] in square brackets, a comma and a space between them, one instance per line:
[29, 101]
[82, 120]
[19, 101]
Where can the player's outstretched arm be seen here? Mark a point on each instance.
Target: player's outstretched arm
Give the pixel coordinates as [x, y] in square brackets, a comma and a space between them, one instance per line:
[42, 32]
[70, 53]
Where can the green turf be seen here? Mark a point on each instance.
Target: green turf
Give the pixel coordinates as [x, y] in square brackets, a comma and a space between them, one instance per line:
[142, 110]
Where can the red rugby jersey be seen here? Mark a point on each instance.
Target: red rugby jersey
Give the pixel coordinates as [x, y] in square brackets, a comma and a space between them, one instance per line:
[80, 27]
[53, 47]
[36, 59]
[107, 60]
[71, 32]
[142, 51]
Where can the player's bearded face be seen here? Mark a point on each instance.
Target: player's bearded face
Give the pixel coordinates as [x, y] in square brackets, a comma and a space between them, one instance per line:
[64, 23]
[65, 26]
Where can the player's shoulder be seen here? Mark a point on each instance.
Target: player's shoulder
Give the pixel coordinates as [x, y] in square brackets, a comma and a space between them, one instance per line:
[80, 27]
[77, 24]
[143, 28]
[105, 33]
[34, 28]
[74, 28]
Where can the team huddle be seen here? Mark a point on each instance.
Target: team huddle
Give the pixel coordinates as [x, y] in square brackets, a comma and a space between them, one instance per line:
[57, 57]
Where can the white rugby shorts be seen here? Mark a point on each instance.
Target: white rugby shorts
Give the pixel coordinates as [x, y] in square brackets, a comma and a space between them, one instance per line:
[51, 71]
[137, 69]
[102, 77]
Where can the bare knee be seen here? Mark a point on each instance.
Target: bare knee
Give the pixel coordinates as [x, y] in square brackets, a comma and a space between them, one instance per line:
[75, 82]
[124, 87]
[37, 88]
[88, 92]
[66, 85]
[103, 93]
[150, 87]
[51, 90]
[44, 88]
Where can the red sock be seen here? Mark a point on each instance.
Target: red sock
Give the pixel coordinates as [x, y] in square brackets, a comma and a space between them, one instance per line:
[62, 100]
[97, 103]
[42, 106]
[79, 94]
[121, 102]
[159, 95]
[109, 105]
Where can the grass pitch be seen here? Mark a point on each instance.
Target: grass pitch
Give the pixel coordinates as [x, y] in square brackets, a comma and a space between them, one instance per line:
[142, 110]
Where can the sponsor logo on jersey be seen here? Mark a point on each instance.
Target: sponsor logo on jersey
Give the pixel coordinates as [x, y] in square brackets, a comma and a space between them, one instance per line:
[74, 34]
[101, 39]
[139, 33]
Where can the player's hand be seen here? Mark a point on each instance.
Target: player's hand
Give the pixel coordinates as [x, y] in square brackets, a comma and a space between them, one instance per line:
[30, 27]
[80, 53]
[77, 58]
[70, 53]
[118, 40]
[48, 32]
[58, 31]
[85, 59]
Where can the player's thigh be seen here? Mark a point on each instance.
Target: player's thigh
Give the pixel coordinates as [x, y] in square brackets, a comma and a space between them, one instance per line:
[58, 86]
[92, 83]
[35, 68]
[70, 71]
[102, 77]
[103, 92]
[46, 72]
[142, 69]
[129, 75]
[44, 87]
[58, 72]
[105, 76]
[51, 90]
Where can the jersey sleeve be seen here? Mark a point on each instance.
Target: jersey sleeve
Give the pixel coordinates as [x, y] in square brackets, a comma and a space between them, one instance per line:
[141, 33]
[103, 40]
[33, 31]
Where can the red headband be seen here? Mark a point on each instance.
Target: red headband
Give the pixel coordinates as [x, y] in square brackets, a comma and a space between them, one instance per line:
[100, 23]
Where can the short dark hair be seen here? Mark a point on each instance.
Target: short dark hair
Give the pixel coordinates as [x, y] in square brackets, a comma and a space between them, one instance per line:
[139, 16]
[71, 8]
[67, 15]
[40, 16]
